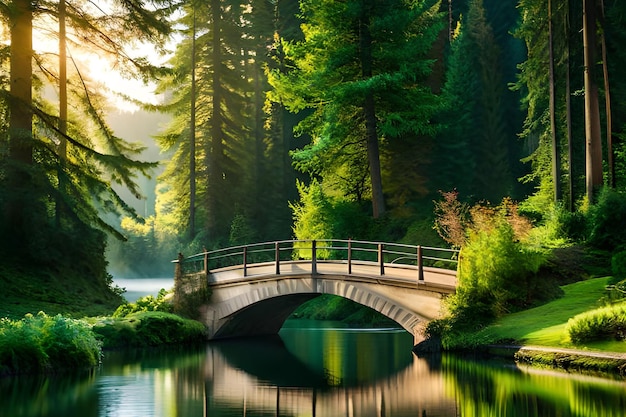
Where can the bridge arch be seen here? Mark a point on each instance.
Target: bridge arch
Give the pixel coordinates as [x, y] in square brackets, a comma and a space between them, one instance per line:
[256, 298]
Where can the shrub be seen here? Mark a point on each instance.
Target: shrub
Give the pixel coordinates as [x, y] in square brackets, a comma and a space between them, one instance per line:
[147, 303]
[606, 323]
[148, 328]
[606, 218]
[618, 266]
[318, 216]
[497, 271]
[451, 218]
[46, 344]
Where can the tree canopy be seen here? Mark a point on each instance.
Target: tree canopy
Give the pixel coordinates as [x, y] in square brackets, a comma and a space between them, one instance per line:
[361, 109]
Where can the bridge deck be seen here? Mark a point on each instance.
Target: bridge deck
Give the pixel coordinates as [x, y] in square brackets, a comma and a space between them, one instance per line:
[394, 274]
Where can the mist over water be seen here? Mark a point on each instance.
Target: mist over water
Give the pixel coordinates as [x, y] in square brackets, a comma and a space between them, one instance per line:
[140, 287]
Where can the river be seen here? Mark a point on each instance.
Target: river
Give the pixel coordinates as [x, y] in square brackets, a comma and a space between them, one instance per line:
[309, 369]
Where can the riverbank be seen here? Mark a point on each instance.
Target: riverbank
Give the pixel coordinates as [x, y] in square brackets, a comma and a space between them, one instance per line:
[570, 360]
[539, 337]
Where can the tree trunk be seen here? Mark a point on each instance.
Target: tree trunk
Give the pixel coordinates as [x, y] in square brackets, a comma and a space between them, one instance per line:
[556, 151]
[62, 112]
[369, 112]
[607, 101]
[592, 108]
[192, 135]
[21, 49]
[568, 113]
[215, 149]
[21, 116]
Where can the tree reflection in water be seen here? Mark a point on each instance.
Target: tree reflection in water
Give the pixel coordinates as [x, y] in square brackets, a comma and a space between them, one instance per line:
[310, 372]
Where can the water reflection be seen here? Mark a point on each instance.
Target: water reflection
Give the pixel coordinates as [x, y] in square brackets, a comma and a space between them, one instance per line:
[309, 372]
[495, 388]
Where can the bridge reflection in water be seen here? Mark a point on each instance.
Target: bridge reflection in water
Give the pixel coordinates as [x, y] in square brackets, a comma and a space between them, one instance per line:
[252, 388]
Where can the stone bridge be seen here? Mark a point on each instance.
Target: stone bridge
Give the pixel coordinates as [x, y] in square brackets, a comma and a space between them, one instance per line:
[253, 289]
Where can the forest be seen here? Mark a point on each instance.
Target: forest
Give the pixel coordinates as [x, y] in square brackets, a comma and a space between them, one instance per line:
[310, 119]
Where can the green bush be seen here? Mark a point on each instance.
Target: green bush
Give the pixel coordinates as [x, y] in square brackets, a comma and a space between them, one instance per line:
[495, 269]
[498, 271]
[618, 266]
[606, 323]
[147, 303]
[318, 216]
[46, 344]
[606, 219]
[148, 328]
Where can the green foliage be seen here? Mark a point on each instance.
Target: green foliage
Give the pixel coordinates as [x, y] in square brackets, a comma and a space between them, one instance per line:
[617, 287]
[606, 218]
[474, 153]
[606, 323]
[241, 231]
[332, 307]
[148, 303]
[148, 328]
[68, 288]
[46, 344]
[497, 271]
[242, 168]
[318, 216]
[363, 64]
[618, 266]
[544, 325]
[553, 225]
[146, 252]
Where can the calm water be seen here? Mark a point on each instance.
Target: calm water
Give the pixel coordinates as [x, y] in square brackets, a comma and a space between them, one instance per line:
[139, 287]
[310, 371]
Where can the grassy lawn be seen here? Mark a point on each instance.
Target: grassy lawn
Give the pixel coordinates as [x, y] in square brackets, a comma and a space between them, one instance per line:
[545, 325]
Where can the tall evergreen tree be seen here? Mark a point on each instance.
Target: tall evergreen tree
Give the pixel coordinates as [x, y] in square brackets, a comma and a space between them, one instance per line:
[360, 72]
[534, 81]
[577, 68]
[67, 164]
[472, 153]
[233, 42]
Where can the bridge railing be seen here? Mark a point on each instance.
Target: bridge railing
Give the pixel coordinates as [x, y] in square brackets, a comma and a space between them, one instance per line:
[349, 251]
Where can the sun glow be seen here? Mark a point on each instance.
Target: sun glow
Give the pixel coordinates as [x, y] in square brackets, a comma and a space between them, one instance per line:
[99, 71]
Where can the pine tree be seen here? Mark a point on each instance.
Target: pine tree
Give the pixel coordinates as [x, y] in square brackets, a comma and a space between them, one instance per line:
[232, 42]
[360, 65]
[58, 163]
[473, 150]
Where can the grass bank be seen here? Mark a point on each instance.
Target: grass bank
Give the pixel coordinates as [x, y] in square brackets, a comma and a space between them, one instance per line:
[539, 336]
[51, 344]
[546, 325]
[29, 290]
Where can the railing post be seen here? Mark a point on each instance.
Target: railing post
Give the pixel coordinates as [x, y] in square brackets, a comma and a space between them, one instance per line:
[178, 279]
[178, 271]
[420, 264]
[206, 262]
[349, 256]
[381, 259]
[313, 257]
[277, 257]
[245, 261]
